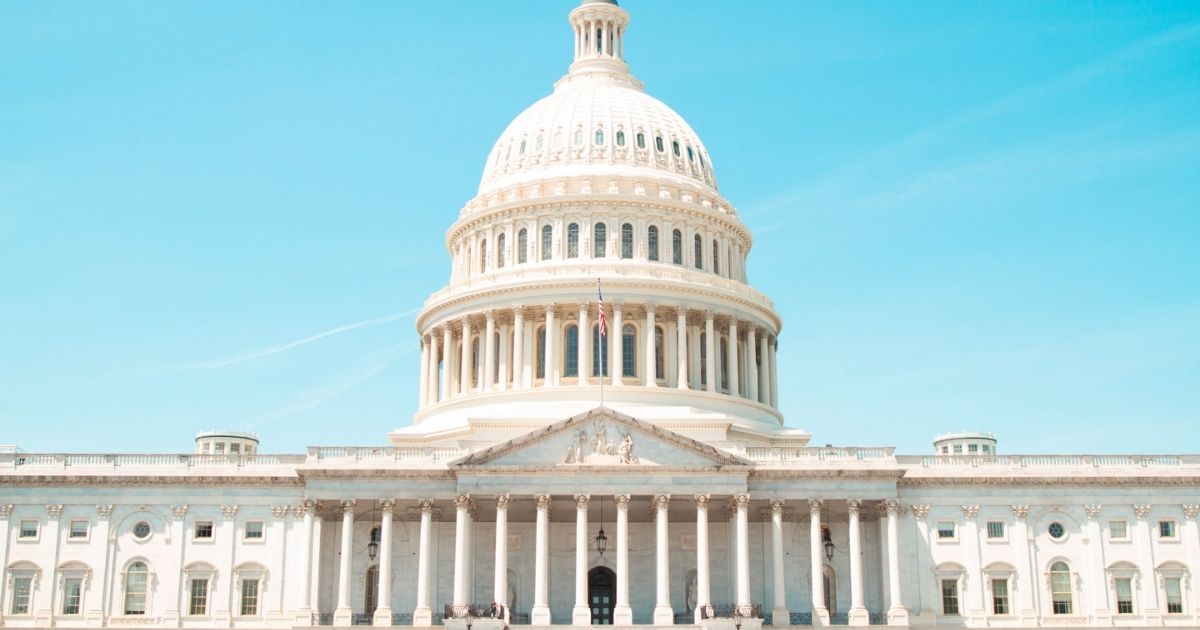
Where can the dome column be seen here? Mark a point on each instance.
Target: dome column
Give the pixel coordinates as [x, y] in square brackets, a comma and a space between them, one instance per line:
[751, 364]
[618, 345]
[423, 390]
[447, 341]
[710, 349]
[518, 351]
[774, 348]
[504, 374]
[464, 366]
[732, 359]
[552, 367]
[651, 348]
[764, 375]
[489, 352]
[681, 346]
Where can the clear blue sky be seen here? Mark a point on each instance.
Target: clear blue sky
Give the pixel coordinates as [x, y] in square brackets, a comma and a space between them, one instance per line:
[971, 215]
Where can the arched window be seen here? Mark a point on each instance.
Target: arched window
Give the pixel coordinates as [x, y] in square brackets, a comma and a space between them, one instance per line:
[703, 360]
[675, 147]
[660, 351]
[626, 240]
[599, 353]
[599, 240]
[482, 256]
[537, 144]
[522, 244]
[558, 140]
[716, 257]
[541, 352]
[547, 241]
[641, 140]
[723, 353]
[658, 144]
[599, 137]
[691, 154]
[652, 242]
[475, 362]
[501, 251]
[571, 356]
[1060, 588]
[521, 151]
[573, 240]
[628, 351]
[620, 138]
[371, 590]
[677, 247]
[137, 578]
[578, 137]
[698, 252]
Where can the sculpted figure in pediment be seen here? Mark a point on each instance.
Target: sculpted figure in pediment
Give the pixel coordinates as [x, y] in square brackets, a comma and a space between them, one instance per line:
[625, 451]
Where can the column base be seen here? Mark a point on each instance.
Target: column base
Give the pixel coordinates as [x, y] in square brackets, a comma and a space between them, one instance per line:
[581, 616]
[622, 615]
[781, 617]
[664, 616]
[383, 616]
[422, 617]
[859, 617]
[820, 617]
[302, 617]
[897, 616]
[343, 617]
[540, 616]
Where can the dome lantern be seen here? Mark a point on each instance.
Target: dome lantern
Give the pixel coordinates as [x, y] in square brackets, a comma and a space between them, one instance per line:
[599, 27]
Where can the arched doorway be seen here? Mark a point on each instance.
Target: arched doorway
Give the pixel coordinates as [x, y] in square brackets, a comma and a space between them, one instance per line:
[602, 593]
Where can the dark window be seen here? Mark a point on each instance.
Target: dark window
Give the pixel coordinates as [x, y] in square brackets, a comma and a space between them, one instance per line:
[501, 252]
[652, 242]
[547, 241]
[620, 138]
[677, 247]
[716, 264]
[698, 252]
[600, 240]
[641, 141]
[522, 244]
[628, 351]
[949, 597]
[658, 144]
[573, 240]
[571, 356]
[626, 240]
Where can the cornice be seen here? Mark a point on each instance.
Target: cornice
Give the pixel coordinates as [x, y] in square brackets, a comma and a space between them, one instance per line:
[1051, 481]
[808, 474]
[147, 480]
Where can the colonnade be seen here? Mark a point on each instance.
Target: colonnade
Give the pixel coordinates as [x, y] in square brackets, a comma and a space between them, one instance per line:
[647, 345]
[663, 613]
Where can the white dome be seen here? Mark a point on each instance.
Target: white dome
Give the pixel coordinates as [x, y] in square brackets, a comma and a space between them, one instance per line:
[590, 125]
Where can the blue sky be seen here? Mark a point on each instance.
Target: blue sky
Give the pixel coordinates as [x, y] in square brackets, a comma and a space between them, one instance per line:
[971, 215]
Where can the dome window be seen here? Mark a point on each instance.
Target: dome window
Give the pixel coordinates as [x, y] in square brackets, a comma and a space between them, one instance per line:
[599, 240]
[573, 240]
[578, 138]
[483, 256]
[627, 240]
[501, 251]
[521, 151]
[558, 141]
[641, 141]
[599, 137]
[691, 155]
[675, 147]
[547, 240]
[522, 242]
[537, 144]
[677, 247]
[652, 242]
[698, 252]
[716, 264]
[658, 144]
[620, 138]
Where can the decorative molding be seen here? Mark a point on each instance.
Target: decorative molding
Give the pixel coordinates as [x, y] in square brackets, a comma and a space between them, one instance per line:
[229, 511]
[387, 505]
[1191, 510]
[502, 501]
[1142, 510]
[581, 500]
[702, 501]
[1020, 512]
[543, 502]
[623, 501]
[462, 502]
[5, 510]
[970, 511]
[853, 506]
[1092, 510]
[104, 511]
[893, 508]
[740, 501]
[776, 506]
[920, 511]
[179, 511]
[280, 511]
[54, 510]
[815, 505]
[660, 502]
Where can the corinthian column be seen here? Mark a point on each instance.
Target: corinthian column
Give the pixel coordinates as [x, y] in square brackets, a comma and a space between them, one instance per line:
[703, 580]
[731, 366]
[651, 349]
[465, 367]
[751, 364]
[423, 391]
[858, 612]
[710, 353]
[447, 375]
[819, 612]
[741, 504]
[500, 590]
[780, 615]
[581, 615]
[663, 615]
[681, 346]
[341, 615]
[622, 613]
[618, 335]
[489, 352]
[584, 353]
[520, 374]
[383, 602]
[552, 367]
[423, 614]
[540, 615]
[897, 614]
[462, 503]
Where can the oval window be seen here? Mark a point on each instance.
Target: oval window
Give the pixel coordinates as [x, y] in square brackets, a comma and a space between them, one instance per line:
[141, 530]
[1056, 530]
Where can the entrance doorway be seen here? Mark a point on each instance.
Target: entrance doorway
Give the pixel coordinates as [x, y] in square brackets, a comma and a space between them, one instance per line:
[602, 593]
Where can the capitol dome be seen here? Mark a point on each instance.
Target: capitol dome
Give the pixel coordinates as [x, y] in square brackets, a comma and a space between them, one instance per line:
[597, 187]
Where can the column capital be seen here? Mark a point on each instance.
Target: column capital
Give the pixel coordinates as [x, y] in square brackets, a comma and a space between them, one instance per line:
[709, 315]
[102, 511]
[815, 505]
[1191, 510]
[1092, 511]
[921, 511]
[776, 506]
[502, 501]
[894, 508]
[1142, 510]
[230, 511]
[853, 506]
[970, 511]
[518, 314]
[681, 311]
[54, 510]
[543, 502]
[702, 501]
[550, 308]
[651, 307]
[581, 500]
[6, 510]
[462, 502]
[584, 305]
[1019, 511]
[660, 501]
[425, 506]
[622, 500]
[280, 511]
[179, 511]
[490, 315]
[741, 500]
[387, 505]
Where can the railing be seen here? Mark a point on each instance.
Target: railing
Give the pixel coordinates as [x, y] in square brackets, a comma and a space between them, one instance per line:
[800, 618]
[386, 453]
[731, 611]
[402, 619]
[322, 619]
[473, 611]
[877, 618]
[1051, 461]
[109, 460]
[362, 619]
[839, 619]
[819, 453]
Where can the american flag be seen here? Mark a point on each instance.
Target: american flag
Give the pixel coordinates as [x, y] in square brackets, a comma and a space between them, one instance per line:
[603, 317]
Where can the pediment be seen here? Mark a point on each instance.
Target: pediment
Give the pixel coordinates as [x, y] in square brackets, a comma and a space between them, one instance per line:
[601, 437]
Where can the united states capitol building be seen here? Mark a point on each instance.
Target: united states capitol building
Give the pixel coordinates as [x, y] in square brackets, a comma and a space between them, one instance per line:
[554, 475]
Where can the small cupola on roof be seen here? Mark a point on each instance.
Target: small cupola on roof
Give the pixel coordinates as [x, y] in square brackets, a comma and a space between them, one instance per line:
[599, 36]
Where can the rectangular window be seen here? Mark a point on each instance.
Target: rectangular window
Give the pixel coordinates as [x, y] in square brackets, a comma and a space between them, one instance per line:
[1124, 596]
[219, 448]
[958, 449]
[198, 600]
[1118, 530]
[987, 450]
[249, 598]
[945, 530]
[29, 530]
[972, 448]
[949, 597]
[945, 450]
[79, 530]
[995, 530]
[1166, 529]
[1174, 590]
[72, 593]
[203, 530]
[999, 597]
[254, 530]
[235, 448]
[20, 594]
